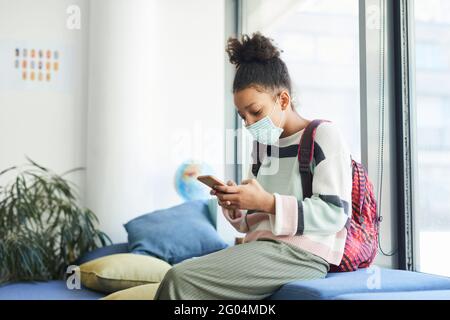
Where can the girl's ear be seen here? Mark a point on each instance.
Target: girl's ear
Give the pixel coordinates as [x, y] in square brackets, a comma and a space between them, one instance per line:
[285, 100]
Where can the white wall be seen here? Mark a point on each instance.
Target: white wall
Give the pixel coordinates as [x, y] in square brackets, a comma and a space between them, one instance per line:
[156, 98]
[45, 124]
[143, 91]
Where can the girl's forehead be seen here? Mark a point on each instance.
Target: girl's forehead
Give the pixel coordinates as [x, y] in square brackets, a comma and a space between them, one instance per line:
[247, 96]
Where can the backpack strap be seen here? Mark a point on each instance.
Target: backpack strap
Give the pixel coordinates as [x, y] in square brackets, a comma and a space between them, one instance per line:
[306, 155]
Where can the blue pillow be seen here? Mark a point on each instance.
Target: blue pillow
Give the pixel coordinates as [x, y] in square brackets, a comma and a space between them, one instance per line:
[175, 234]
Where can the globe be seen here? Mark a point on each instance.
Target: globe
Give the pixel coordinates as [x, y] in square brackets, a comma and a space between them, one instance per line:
[186, 183]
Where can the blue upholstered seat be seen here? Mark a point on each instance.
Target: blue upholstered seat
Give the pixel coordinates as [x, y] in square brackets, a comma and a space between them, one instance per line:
[371, 280]
[367, 284]
[402, 295]
[49, 290]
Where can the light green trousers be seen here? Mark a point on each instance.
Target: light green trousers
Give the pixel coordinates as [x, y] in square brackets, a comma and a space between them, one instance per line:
[248, 271]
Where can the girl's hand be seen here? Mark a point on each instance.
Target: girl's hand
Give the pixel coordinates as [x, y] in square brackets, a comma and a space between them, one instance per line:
[226, 204]
[247, 196]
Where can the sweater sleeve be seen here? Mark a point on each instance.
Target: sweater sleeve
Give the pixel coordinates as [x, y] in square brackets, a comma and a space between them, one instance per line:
[329, 208]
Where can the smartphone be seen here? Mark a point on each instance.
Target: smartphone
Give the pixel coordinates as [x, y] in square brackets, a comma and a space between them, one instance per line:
[210, 181]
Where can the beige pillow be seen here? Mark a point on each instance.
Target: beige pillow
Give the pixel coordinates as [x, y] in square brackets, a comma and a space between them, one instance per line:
[144, 292]
[122, 271]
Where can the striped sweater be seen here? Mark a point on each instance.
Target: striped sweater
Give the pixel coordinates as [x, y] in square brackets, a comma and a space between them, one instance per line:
[315, 224]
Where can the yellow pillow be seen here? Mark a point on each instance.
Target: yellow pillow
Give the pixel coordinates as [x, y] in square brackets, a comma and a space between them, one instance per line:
[144, 292]
[122, 271]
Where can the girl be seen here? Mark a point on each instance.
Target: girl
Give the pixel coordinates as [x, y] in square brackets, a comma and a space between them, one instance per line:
[287, 237]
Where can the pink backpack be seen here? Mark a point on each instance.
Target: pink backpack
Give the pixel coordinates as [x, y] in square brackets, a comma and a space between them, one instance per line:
[362, 232]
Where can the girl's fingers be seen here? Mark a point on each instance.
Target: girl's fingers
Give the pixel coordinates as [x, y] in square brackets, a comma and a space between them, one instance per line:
[227, 189]
[226, 197]
[227, 205]
[231, 187]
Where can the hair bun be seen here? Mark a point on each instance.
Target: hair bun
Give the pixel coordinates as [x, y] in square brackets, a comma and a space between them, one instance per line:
[257, 48]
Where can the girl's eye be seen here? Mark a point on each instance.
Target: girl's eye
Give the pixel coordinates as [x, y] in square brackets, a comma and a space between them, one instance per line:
[257, 112]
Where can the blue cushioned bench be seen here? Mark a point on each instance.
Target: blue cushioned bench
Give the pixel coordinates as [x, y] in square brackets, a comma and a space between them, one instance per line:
[400, 295]
[363, 281]
[50, 290]
[365, 284]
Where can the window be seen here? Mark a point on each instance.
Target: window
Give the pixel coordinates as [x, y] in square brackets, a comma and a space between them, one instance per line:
[320, 43]
[431, 215]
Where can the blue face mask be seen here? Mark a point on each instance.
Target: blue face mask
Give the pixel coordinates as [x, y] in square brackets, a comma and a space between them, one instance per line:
[265, 131]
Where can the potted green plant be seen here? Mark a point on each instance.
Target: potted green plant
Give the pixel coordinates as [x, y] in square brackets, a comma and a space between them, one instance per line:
[43, 229]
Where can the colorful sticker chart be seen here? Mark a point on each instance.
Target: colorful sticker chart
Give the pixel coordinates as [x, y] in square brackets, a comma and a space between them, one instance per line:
[38, 65]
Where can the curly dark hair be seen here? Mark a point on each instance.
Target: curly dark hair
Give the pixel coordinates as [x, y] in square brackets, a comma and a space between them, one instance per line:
[258, 64]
